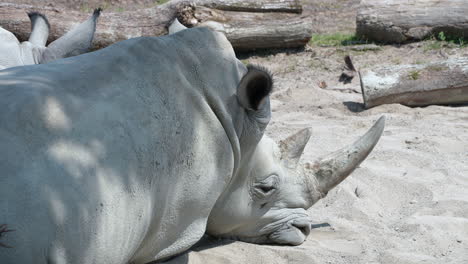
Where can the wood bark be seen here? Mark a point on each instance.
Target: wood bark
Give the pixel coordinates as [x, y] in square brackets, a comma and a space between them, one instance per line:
[417, 85]
[397, 21]
[249, 30]
[286, 6]
[270, 24]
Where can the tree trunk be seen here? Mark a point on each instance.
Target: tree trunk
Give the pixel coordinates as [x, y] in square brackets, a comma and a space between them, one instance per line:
[417, 85]
[397, 21]
[248, 30]
[270, 24]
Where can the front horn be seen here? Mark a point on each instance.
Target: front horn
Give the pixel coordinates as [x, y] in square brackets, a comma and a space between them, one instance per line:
[334, 168]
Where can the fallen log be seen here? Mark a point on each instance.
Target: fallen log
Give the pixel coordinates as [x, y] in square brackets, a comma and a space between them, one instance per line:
[397, 21]
[285, 6]
[417, 85]
[249, 30]
[112, 27]
[272, 29]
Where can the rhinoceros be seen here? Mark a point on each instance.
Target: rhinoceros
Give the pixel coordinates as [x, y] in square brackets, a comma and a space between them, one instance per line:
[132, 153]
[33, 51]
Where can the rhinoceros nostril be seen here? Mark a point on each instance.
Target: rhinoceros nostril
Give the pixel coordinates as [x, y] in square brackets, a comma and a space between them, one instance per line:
[303, 227]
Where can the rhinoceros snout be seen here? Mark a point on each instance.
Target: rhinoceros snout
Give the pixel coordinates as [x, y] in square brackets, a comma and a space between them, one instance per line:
[304, 226]
[293, 232]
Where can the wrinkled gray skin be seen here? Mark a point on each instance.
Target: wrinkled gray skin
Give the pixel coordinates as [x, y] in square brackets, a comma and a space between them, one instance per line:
[75, 42]
[132, 153]
[267, 201]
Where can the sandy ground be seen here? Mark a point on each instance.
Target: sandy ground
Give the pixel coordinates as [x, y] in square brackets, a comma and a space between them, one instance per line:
[407, 202]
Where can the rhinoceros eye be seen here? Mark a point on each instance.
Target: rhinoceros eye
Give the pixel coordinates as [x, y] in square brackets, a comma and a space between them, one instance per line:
[266, 186]
[266, 189]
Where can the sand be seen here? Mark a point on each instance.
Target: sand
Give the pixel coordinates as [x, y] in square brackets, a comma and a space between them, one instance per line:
[406, 203]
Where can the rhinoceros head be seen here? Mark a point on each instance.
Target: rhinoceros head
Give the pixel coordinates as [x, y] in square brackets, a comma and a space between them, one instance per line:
[268, 200]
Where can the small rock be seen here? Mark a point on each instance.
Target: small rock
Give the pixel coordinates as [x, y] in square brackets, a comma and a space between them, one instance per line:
[413, 202]
[322, 84]
[414, 239]
[459, 241]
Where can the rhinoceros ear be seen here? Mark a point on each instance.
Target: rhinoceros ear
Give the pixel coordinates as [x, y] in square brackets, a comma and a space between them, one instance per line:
[39, 29]
[292, 147]
[175, 27]
[254, 87]
[75, 42]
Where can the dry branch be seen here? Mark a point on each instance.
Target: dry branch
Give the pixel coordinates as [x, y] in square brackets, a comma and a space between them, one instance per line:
[397, 21]
[417, 85]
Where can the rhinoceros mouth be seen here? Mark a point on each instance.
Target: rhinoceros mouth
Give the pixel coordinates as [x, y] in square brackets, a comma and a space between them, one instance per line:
[293, 232]
[289, 229]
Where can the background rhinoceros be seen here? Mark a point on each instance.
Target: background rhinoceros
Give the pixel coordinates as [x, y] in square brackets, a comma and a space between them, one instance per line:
[133, 152]
[34, 51]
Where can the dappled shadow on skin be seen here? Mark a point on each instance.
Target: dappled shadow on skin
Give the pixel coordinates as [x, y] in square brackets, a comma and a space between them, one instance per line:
[64, 169]
[72, 152]
[354, 106]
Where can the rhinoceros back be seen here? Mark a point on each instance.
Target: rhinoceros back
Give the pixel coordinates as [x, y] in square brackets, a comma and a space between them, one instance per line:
[119, 151]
